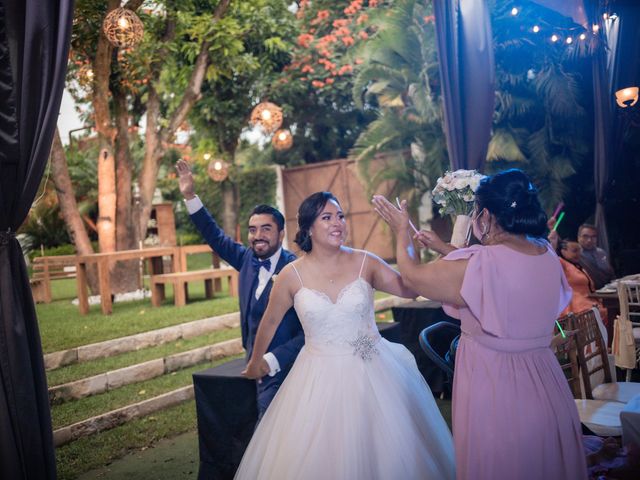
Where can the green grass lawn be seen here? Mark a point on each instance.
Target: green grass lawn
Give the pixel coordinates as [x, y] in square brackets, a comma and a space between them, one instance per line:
[71, 412]
[62, 326]
[102, 365]
[101, 449]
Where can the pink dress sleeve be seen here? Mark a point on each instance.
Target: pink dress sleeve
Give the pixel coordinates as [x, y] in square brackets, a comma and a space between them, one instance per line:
[478, 292]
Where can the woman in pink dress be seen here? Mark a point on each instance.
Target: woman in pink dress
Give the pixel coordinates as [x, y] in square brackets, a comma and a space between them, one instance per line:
[513, 413]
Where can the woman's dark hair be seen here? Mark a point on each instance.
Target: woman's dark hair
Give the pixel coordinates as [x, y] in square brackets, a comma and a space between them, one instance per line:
[563, 244]
[513, 200]
[308, 211]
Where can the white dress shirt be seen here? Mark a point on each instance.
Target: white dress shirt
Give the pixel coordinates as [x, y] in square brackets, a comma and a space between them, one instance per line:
[195, 204]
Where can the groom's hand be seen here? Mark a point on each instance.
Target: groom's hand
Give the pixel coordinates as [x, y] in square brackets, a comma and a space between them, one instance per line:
[185, 179]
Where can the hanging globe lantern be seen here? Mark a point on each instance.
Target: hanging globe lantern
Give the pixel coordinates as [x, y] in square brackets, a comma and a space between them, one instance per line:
[282, 140]
[218, 170]
[268, 116]
[123, 28]
[85, 76]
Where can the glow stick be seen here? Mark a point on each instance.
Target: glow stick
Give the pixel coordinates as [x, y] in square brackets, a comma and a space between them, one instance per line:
[558, 222]
[557, 210]
[410, 222]
[561, 330]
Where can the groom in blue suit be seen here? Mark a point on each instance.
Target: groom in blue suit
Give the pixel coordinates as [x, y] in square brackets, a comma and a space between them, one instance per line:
[258, 264]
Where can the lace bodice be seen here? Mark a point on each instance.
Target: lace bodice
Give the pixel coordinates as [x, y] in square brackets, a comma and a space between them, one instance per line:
[346, 326]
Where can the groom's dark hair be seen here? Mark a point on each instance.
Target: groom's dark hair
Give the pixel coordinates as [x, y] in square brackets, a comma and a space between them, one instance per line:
[269, 210]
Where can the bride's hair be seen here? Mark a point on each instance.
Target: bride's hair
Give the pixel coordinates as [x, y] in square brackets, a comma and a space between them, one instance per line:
[308, 211]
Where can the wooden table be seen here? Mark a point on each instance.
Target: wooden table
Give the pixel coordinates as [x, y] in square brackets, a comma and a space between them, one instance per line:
[104, 262]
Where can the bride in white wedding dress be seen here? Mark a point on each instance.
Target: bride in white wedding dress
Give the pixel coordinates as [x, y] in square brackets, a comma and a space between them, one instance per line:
[354, 406]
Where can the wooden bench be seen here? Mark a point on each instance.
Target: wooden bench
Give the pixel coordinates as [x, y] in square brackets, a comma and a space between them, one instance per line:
[186, 250]
[180, 281]
[46, 269]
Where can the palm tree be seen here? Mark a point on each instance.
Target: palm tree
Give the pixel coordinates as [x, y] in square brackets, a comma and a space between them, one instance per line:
[539, 122]
[397, 81]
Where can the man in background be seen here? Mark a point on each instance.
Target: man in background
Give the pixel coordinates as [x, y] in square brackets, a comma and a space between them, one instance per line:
[594, 259]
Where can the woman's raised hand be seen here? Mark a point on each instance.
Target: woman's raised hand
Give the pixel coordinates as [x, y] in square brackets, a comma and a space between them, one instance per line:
[396, 218]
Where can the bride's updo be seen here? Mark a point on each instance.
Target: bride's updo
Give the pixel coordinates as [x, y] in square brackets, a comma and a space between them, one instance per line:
[308, 211]
[513, 200]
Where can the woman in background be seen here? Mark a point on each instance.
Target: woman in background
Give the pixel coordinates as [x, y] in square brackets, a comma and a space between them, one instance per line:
[579, 280]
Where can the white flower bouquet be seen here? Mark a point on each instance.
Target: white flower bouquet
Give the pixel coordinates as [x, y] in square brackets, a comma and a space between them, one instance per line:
[455, 193]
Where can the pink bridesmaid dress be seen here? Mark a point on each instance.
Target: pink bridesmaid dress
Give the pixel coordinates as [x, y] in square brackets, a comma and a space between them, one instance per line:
[513, 413]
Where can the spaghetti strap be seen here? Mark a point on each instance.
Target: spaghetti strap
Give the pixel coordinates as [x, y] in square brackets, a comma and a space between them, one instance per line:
[299, 277]
[362, 266]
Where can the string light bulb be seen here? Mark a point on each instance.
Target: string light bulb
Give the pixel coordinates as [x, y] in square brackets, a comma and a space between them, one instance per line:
[569, 40]
[595, 28]
[582, 36]
[554, 38]
[536, 29]
[514, 11]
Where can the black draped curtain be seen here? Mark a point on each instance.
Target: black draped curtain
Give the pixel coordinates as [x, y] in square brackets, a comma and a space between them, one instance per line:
[467, 73]
[34, 43]
[603, 69]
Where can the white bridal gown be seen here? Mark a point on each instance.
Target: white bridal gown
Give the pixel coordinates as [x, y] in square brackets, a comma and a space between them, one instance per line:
[353, 407]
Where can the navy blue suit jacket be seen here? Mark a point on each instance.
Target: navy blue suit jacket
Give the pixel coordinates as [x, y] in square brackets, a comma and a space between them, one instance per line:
[289, 337]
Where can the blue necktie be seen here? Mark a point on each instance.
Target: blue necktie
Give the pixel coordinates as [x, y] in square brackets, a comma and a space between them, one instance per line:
[257, 264]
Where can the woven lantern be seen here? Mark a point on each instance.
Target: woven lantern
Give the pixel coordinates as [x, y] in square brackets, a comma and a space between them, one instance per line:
[282, 139]
[123, 28]
[218, 170]
[268, 116]
[85, 75]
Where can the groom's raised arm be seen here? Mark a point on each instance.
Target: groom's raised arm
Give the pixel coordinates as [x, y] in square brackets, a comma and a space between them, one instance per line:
[230, 251]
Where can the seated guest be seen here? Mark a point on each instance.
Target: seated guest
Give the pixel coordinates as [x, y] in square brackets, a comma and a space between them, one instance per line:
[581, 283]
[594, 259]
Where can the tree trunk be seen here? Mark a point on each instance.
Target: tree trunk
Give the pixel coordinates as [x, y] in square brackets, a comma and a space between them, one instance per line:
[153, 153]
[106, 199]
[229, 209]
[106, 135]
[125, 275]
[69, 207]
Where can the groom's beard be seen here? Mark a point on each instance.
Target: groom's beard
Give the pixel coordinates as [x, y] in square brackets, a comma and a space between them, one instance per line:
[262, 249]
